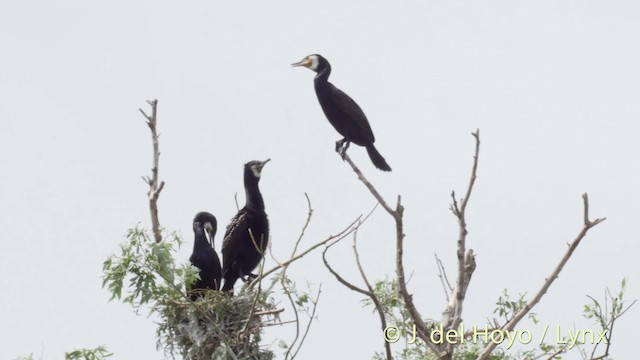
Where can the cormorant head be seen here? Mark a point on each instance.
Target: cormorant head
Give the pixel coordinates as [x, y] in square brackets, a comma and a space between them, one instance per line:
[207, 222]
[255, 167]
[314, 62]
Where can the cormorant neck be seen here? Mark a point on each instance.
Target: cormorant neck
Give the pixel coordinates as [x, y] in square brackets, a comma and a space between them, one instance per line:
[323, 75]
[200, 241]
[254, 197]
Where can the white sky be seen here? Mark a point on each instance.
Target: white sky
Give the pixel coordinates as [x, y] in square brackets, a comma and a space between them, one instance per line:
[552, 85]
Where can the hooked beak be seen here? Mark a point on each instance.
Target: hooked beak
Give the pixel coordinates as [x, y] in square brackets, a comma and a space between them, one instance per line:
[211, 231]
[306, 62]
[262, 164]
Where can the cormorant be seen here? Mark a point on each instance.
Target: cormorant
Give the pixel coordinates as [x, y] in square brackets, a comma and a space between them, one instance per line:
[342, 112]
[204, 256]
[247, 235]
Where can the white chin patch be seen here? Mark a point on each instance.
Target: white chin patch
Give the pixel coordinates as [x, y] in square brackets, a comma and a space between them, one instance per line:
[208, 226]
[255, 171]
[314, 63]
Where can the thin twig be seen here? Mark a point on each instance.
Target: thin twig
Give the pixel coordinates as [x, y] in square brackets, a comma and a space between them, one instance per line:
[269, 312]
[306, 225]
[155, 187]
[255, 300]
[341, 235]
[313, 314]
[372, 295]
[442, 274]
[554, 275]
[560, 351]
[338, 277]
[295, 312]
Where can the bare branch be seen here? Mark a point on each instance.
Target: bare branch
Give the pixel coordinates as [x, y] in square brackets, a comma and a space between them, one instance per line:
[366, 182]
[421, 327]
[372, 295]
[306, 330]
[341, 235]
[295, 312]
[554, 275]
[337, 276]
[442, 274]
[155, 187]
[269, 312]
[466, 259]
[306, 225]
[472, 181]
[255, 301]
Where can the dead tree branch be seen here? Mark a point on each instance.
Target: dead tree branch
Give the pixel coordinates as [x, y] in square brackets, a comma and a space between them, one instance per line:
[442, 274]
[155, 187]
[338, 277]
[466, 259]
[370, 293]
[588, 224]
[341, 235]
[421, 327]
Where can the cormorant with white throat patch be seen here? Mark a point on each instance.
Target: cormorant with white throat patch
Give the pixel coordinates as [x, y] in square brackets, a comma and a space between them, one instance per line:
[342, 112]
[247, 235]
[204, 255]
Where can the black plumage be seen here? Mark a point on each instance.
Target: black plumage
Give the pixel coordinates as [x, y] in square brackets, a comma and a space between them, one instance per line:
[204, 255]
[342, 112]
[247, 235]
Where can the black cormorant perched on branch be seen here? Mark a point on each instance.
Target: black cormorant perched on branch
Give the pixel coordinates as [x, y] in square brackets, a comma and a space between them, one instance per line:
[204, 256]
[343, 113]
[247, 235]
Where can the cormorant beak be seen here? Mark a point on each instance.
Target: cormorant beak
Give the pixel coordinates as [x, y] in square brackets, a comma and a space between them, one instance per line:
[306, 62]
[262, 164]
[211, 231]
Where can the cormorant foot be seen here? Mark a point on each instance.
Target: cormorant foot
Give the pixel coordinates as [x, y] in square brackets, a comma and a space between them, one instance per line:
[342, 146]
[249, 277]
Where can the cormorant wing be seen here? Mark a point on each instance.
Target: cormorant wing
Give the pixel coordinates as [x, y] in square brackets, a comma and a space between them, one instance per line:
[351, 110]
[237, 226]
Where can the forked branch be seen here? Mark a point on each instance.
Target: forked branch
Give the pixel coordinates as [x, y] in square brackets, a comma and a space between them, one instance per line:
[588, 224]
[155, 186]
[466, 259]
[370, 293]
[421, 327]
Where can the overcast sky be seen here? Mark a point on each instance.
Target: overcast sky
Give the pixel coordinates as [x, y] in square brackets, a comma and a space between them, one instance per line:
[552, 86]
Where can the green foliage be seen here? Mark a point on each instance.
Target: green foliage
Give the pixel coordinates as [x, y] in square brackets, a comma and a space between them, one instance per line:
[97, 353]
[303, 302]
[143, 262]
[218, 326]
[603, 316]
[396, 314]
[507, 308]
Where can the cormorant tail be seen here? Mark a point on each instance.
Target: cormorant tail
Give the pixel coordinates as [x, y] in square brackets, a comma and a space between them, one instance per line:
[377, 159]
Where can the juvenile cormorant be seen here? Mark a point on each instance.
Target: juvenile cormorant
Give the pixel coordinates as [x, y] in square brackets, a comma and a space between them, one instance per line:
[204, 256]
[342, 112]
[247, 235]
